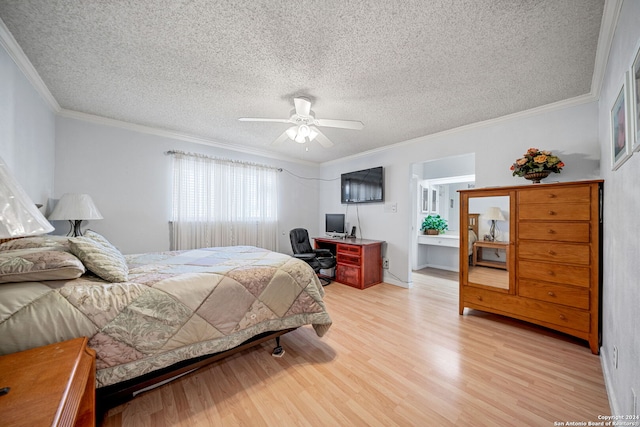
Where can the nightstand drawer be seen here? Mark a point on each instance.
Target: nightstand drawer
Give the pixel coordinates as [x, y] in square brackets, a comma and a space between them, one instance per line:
[554, 252]
[578, 232]
[556, 273]
[572, 296]
[575, 194]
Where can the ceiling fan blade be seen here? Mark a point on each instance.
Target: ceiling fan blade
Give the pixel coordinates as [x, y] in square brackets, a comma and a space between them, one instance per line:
[279, 140]
[258, 119]
[322, 140]
[344, 124]
[303, 106]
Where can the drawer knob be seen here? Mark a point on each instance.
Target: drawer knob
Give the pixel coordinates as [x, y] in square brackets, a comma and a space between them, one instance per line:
[552, 196]
[479, 298]
[551, 294]
[551, 231]
[552, 213]
[562, 317]
[551, 273]
[552, 253]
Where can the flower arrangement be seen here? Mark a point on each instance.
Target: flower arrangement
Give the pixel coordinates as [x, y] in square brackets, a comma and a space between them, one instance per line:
[435, 222]
[535, 160]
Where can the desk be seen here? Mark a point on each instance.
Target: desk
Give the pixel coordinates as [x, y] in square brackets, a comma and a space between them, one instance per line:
[358, 261]
[477, 253]
[52, 385]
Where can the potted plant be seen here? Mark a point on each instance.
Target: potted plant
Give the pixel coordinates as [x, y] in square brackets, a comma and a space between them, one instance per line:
[434, 224]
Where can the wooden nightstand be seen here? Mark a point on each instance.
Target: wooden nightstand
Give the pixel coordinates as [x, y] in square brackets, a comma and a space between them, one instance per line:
[52, 385]
[477, 253]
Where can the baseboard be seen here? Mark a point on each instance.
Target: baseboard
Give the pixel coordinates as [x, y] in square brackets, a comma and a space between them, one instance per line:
[606, 373]
[390, 280]
[443, 267]
[439, 267]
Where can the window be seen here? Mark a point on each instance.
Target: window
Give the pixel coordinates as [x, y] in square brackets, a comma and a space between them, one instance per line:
[223, 203]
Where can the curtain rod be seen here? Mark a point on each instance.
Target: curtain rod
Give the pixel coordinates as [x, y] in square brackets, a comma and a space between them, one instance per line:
[204, 156]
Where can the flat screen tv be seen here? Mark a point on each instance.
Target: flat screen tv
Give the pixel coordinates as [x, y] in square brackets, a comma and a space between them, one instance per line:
[334, 223]
[365, 186]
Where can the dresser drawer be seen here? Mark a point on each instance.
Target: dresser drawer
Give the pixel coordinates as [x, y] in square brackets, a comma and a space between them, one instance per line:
[556, 273]
[555, 212]
[572, 296]
[574, 194]
[578, 232]
[554, 252]
[540, 312]
[348, 275]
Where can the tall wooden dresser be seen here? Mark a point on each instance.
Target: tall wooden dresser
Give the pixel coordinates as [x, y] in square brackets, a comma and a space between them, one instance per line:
[553, 273]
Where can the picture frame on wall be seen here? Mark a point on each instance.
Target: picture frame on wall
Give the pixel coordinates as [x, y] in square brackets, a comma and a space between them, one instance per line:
[634, 100]
[620, 143]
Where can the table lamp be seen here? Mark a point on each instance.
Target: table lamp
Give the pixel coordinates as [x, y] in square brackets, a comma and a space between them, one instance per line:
[75, 208]
[494, 214]
[19, 216]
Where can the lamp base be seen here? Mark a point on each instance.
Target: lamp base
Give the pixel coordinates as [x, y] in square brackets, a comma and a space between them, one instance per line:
[76, 228]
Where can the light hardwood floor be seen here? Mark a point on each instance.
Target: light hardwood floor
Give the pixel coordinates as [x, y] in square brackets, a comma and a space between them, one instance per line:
[393, 357]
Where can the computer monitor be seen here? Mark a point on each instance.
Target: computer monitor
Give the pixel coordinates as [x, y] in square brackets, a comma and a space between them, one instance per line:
[334, 223]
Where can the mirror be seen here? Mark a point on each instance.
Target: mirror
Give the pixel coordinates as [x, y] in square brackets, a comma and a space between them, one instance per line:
[488, 242]
[440, 197]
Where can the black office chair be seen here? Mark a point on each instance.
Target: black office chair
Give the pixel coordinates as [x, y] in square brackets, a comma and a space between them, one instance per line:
[318, 259]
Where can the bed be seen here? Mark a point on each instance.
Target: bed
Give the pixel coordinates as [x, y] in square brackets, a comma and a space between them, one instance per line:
[150, 316]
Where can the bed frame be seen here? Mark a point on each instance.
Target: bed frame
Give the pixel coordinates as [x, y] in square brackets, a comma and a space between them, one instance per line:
[116, 394]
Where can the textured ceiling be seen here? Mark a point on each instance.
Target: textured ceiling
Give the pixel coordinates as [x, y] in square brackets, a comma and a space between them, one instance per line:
[404, 68]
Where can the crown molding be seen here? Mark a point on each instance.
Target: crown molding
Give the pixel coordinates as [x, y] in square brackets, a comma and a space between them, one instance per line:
[92, 118]
[17, 54]
[610, 16]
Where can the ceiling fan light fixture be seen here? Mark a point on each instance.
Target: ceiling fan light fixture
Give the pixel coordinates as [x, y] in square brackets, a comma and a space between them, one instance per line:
[292, 132]
[304, 124]
[304, 131]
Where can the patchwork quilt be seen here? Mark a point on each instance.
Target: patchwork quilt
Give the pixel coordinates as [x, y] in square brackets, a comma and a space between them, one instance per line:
[174, 306]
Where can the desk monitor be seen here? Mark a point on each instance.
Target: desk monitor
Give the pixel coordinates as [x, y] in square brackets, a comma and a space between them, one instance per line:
[334, 224]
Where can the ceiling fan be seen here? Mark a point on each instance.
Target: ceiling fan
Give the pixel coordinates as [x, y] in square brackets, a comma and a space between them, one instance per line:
[305, 122]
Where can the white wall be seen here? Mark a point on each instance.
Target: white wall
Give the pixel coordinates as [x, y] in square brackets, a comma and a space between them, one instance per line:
[570, 132]
[27, 131]
[129, 178]
[621, 281]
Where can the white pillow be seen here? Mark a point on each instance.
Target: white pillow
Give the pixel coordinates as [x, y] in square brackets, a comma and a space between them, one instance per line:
[104, 261]
[35, 265]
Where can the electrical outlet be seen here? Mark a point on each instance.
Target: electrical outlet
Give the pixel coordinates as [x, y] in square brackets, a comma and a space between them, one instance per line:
[385, 263]
[615, 357]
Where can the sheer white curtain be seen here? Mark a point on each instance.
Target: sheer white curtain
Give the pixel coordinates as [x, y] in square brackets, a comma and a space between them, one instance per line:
[220, 202]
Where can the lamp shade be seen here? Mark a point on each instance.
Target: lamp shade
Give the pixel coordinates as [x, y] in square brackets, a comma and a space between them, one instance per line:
[492, 213]
[75, 206]
[19, 216]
